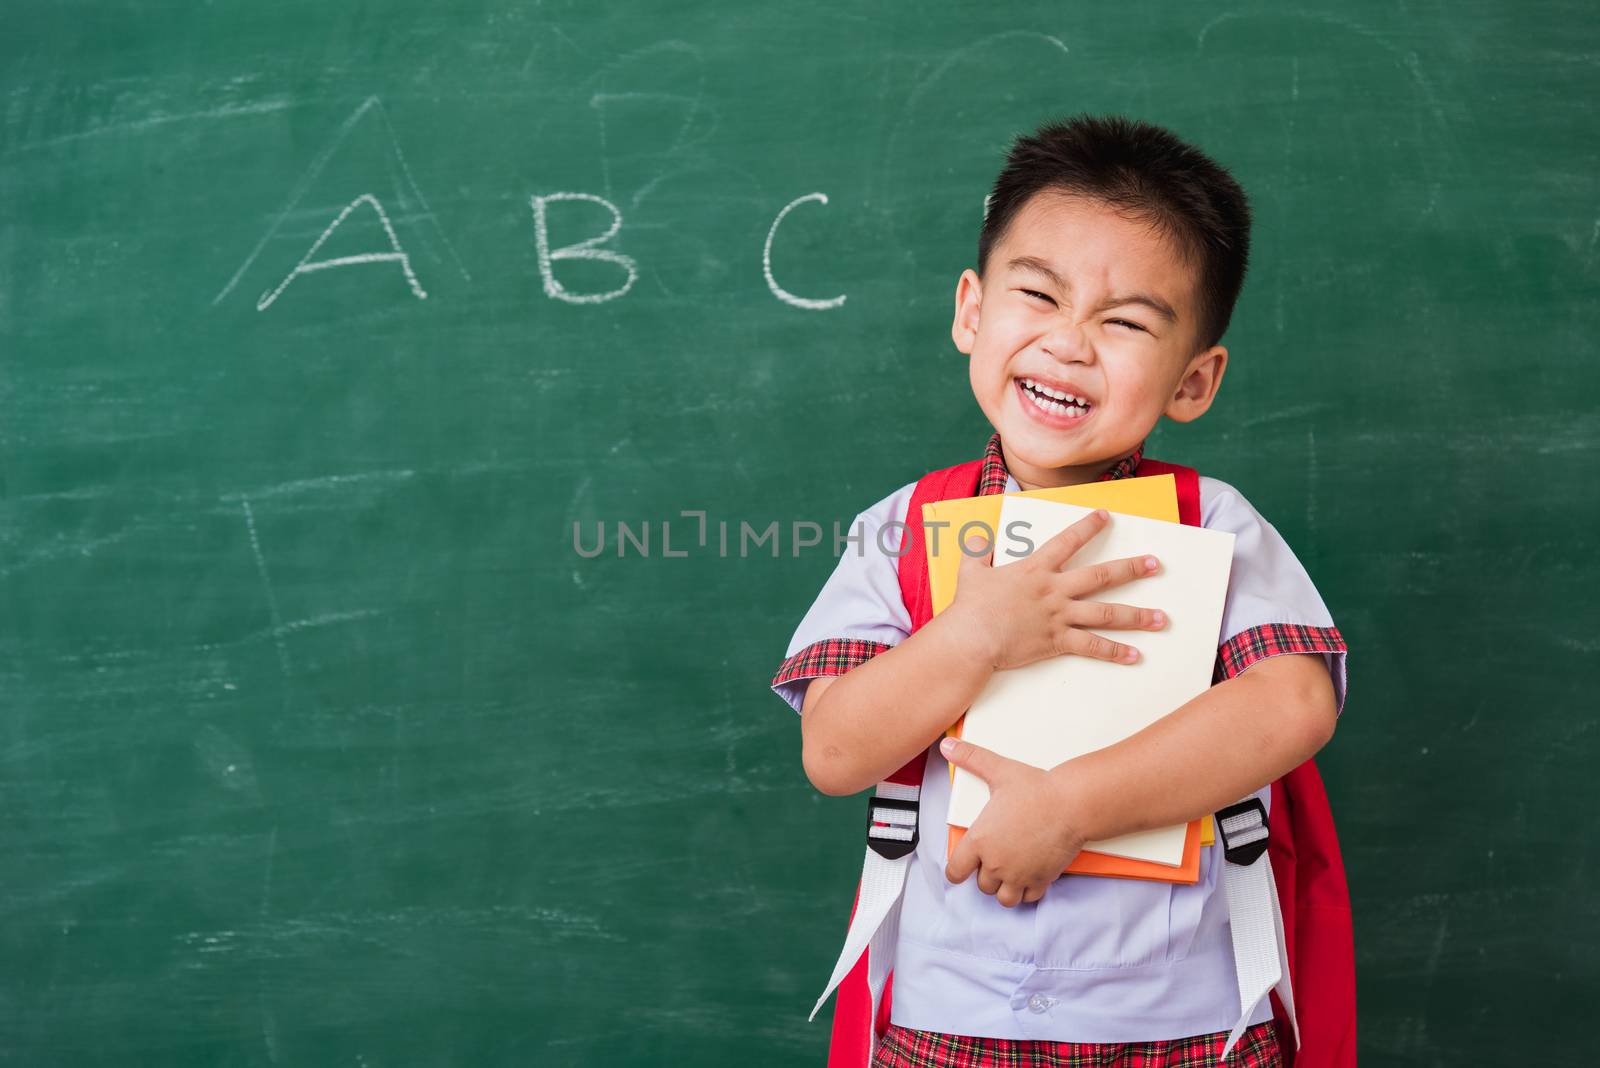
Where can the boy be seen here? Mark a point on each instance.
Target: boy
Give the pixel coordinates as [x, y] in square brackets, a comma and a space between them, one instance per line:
[1109, 263]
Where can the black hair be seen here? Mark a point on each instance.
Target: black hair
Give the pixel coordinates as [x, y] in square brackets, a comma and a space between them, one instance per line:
[1147, 173]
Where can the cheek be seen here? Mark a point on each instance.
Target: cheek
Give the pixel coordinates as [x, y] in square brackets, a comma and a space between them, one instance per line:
[986, 375]
[998, 340]
[988, 359]
[1138, 386]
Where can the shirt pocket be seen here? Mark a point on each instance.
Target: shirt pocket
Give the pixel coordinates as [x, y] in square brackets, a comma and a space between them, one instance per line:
[1088, 922]
[1185, 909]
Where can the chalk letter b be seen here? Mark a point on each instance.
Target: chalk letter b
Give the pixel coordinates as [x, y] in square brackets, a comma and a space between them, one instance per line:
[583, 250]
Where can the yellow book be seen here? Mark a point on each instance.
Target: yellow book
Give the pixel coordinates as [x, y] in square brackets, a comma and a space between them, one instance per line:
[1154, 497]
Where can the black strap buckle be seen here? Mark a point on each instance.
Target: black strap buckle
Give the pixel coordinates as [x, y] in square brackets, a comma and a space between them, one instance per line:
[885, 836]
[1243, 830]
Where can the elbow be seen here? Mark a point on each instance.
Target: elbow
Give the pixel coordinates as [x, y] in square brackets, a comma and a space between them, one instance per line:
[1318, 718]
[1321, 719]
[1297, 693]
[825, 768]
[826, 762]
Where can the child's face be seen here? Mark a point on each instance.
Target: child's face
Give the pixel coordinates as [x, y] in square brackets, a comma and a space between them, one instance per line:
[1082, 300]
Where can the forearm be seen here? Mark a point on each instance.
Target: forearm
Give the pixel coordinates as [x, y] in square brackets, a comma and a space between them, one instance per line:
[875, 717]
[1226, 743]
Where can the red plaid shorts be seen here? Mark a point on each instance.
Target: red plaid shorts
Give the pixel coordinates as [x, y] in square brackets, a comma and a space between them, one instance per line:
[902, 1047]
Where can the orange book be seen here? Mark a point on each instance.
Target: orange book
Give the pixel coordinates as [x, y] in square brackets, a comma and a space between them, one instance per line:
[1089, 862]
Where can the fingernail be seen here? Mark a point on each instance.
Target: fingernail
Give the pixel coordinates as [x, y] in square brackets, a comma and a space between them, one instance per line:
[947, 746]
[1157, 619]
[1101, 513]
[1151, 563]
[1131, 655]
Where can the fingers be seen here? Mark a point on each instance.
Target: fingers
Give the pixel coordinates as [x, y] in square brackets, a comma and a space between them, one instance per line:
[986, 764]
[976, 551]
[1006, 893]
[1078, 582]
[963, 862]
[1059, 549]
[1087, 643]
[1115, 616]
[977, 547]
[1080, 614]
[1056, 552]
[1082, 581]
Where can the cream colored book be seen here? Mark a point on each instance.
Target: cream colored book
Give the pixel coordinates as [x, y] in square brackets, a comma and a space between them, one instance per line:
[1052, 710]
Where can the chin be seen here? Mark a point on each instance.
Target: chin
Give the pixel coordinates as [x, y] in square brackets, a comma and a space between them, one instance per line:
[1028, 444]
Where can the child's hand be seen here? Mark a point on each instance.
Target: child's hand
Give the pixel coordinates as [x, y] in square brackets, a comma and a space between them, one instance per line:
[1035, 608]
[1024, 838]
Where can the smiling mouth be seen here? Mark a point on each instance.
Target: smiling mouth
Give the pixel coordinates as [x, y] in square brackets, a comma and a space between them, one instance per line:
[1053, 401]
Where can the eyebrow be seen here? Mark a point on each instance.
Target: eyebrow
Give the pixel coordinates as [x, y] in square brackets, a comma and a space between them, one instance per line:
[1040, 267]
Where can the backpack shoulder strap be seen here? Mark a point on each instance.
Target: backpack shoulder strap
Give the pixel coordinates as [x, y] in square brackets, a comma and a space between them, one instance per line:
[1188, 480]
[942, 485]
[861, 1011]
[1309, 878]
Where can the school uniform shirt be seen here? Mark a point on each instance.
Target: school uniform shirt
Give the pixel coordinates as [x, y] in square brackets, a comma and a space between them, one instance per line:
[1095, 959]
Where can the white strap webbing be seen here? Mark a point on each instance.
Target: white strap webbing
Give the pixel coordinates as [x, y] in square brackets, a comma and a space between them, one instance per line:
[876, 923]
[1260, 954]
[880, 961]
[1260, 957]
[877, 907]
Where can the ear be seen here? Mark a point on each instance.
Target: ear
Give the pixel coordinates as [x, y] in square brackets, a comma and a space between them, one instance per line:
[1198, 387]
[969, 301]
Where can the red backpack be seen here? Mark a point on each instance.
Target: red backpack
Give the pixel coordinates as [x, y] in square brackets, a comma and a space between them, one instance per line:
[1303, 848]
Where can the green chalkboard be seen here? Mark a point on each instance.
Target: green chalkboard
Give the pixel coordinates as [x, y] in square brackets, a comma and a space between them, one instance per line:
[324, 745]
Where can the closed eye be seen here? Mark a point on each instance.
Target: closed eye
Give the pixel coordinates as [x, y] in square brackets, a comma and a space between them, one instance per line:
[1126, 322]
[1036, 293]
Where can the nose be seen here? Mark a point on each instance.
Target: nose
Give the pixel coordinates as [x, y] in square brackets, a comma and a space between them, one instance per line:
[1068, 343]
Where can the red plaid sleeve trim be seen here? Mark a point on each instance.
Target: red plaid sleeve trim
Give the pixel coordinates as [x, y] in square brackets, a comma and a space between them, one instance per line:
[830, 656]
[1270, 639]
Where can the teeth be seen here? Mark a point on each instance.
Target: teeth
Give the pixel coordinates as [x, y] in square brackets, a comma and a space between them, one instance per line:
[1058, 396]
[1056, 406]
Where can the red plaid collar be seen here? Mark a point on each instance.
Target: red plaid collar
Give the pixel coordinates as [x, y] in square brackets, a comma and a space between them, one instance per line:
[992, 476]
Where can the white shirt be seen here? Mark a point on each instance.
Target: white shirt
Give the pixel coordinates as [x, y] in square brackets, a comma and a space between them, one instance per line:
[1096, 959]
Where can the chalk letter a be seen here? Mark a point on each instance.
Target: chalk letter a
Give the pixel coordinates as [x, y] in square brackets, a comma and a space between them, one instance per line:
[396, 254]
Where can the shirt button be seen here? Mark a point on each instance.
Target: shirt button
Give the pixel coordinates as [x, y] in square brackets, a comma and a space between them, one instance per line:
[1038, 1003]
